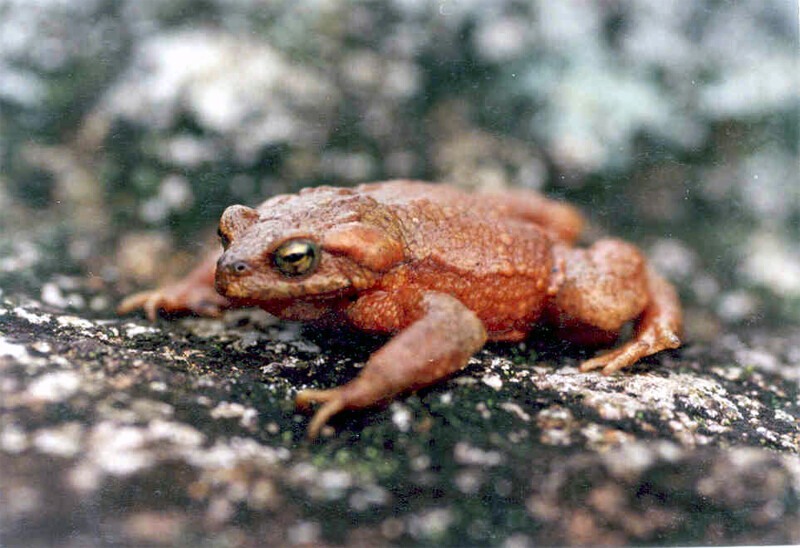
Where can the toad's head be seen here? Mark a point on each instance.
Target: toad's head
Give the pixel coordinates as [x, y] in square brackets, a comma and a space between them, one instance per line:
[320, 244]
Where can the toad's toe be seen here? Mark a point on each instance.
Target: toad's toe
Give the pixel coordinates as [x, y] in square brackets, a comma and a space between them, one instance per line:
[333, 402]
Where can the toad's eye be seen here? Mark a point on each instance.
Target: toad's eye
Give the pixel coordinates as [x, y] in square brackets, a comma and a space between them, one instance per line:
[223, 239]
[296, 257]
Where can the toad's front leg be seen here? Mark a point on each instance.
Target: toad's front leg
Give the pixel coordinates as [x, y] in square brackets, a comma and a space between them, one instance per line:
[194, 293]
[439, 339]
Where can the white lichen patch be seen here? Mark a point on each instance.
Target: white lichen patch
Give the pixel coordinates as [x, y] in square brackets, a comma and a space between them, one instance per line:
[27, 315]
[54, 387]
[334, 483]
[785, 441]
[771, 261]
[51, 294]
[515, 409]
[465, 381]
[757, 358]
[751, 408]
[43, 347]
[401, 416]
[13, 350]
[304, 533]
[467, 454]
[147, 409]
[370, 495]
[158, 386]
[731, 373]
[13, 439]
[555, 416]
[783, 416]
[60, 441]
[327, 484]
[493, 381]
[431, 524]
[177, 434]
[420, 463]
[204, 70]
[118, 450]
[468, 481]
[556, 437]
[483, 410]
[75, 323]
[133, 330]
[227, 453]
[601, 438]
[629, 460]
[685, 402]
[248, 416]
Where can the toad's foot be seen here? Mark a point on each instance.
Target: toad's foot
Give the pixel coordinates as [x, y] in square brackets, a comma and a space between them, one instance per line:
[647, 342]
[181, 297]
[334, 401]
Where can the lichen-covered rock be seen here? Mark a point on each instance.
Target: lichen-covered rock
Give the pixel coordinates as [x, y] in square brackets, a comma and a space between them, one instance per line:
[187, 428]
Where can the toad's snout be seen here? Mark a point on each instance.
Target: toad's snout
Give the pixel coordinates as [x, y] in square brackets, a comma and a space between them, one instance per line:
[229, 268]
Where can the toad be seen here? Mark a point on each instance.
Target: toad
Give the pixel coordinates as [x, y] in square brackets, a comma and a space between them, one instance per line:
[439, 269]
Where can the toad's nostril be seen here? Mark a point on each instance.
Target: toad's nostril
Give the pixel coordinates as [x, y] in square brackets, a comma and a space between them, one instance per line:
[234, 266]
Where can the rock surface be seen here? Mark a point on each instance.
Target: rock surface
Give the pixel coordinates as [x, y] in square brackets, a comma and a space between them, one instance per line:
[117, 431]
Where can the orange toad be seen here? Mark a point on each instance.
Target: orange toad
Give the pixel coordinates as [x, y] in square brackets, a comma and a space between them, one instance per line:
[441, 269]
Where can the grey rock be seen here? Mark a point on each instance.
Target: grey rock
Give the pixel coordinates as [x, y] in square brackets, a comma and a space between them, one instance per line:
[182, 428]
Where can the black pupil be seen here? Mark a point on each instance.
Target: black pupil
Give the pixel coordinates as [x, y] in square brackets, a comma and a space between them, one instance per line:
[297, 256]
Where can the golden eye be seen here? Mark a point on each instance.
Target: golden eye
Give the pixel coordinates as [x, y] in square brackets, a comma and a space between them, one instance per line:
[296, 257]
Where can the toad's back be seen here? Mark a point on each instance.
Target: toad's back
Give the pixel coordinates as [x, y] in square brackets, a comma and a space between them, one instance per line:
[471, 247]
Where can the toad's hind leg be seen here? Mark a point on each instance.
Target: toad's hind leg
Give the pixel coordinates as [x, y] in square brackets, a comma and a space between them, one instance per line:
[608, 285]
[658, 328]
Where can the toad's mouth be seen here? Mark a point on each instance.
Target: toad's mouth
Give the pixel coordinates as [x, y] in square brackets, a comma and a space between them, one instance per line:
[261, 290]
[331, 296]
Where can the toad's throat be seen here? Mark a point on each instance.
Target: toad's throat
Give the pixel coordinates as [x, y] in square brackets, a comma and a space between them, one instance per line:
[307, 308]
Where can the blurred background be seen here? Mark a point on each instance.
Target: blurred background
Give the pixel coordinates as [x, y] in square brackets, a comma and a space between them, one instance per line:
[127, 126]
